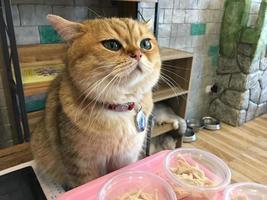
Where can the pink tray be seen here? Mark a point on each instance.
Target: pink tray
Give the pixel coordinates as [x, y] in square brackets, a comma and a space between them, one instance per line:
[90, 190]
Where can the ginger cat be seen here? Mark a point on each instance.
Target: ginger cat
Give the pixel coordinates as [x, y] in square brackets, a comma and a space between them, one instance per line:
[90, 126]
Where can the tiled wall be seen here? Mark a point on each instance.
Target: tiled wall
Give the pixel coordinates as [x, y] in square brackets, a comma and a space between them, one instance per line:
[29, 16]
[192, 25]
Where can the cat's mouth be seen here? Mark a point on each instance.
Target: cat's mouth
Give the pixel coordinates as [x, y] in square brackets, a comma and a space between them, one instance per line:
[138, 67]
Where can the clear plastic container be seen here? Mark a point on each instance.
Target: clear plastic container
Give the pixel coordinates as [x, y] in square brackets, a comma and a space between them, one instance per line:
[212, 168]
[133, 182]
[245, 191]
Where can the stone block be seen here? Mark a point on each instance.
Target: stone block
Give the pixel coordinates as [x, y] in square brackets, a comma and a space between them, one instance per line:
[245, 49]
[180, 30]
[227, 114]
[164, 30]
[245, 64]
[48, 35]
[194, 16]
[242, 82]
[199, 41]
[166, 3]
[176, 4]
[80, 13]
[167, 16]
[216, 5]
[204, 4]
[198, 29]
[254, 7]
[148, 14]
[164, 42]
[27, 1]
[261, 109]
[227, 66]
[180, 42]
[263, 64]
[263, 80]
[252, 20]
[188, 4]
[161, 15]
[27, 35]
[213, 28]
[34, 14]
[253, 79]
[255, 92]
[251, 112]
[71, 13]
[87, 3]
[146, 5]
[15, 15]
[213, 16]
[239, 82]
[223, 80]
[178, 16]
[237, 100]
[60, 2]
[213, 50]
[263, 96]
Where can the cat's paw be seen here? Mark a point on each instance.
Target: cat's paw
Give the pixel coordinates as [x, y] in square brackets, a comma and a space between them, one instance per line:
[175, 125]
[160, 123]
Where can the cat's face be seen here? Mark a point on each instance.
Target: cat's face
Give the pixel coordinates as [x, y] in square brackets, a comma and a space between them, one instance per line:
[112, 60]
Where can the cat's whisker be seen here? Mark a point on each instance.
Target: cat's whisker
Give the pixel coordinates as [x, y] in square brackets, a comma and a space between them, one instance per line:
[174, 67]
[95, 86]
[97, 98]
[174, 82]
[170, 85]
[170, 79]
[174, 73]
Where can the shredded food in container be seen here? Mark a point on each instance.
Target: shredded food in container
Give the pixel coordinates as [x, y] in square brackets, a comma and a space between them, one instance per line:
[140, 195]
[191, 174]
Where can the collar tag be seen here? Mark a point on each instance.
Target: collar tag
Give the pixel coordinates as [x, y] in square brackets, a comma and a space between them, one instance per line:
[140, 121]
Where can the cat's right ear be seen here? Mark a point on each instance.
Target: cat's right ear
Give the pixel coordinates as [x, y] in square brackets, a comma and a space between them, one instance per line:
[68, 30]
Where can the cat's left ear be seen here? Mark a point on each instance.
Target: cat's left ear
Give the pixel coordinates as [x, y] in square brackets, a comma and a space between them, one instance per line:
[149, 24]
[68, 30]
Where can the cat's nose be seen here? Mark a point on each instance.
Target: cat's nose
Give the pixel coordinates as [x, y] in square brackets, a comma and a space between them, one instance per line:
[136, 55]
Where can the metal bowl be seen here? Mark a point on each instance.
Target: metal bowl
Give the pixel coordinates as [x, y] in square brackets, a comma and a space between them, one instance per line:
[211, 123]
[189, 136]
[195, 124]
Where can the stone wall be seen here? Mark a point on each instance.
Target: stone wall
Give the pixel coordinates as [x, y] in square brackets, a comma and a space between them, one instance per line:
[242, 71]
[194, 26]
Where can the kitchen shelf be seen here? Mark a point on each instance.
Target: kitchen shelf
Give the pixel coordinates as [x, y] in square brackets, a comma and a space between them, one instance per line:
[173, 54]
[167, 92]
[159, 130]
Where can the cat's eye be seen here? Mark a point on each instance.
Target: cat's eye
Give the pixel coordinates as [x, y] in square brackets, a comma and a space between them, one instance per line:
[146, 44]
[112, 45]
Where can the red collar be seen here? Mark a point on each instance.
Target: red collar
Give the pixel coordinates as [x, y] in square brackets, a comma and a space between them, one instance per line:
[120, 107]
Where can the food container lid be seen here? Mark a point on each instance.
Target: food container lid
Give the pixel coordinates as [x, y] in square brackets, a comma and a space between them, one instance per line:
[135, 181]
[245, 191]
[213, 167]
